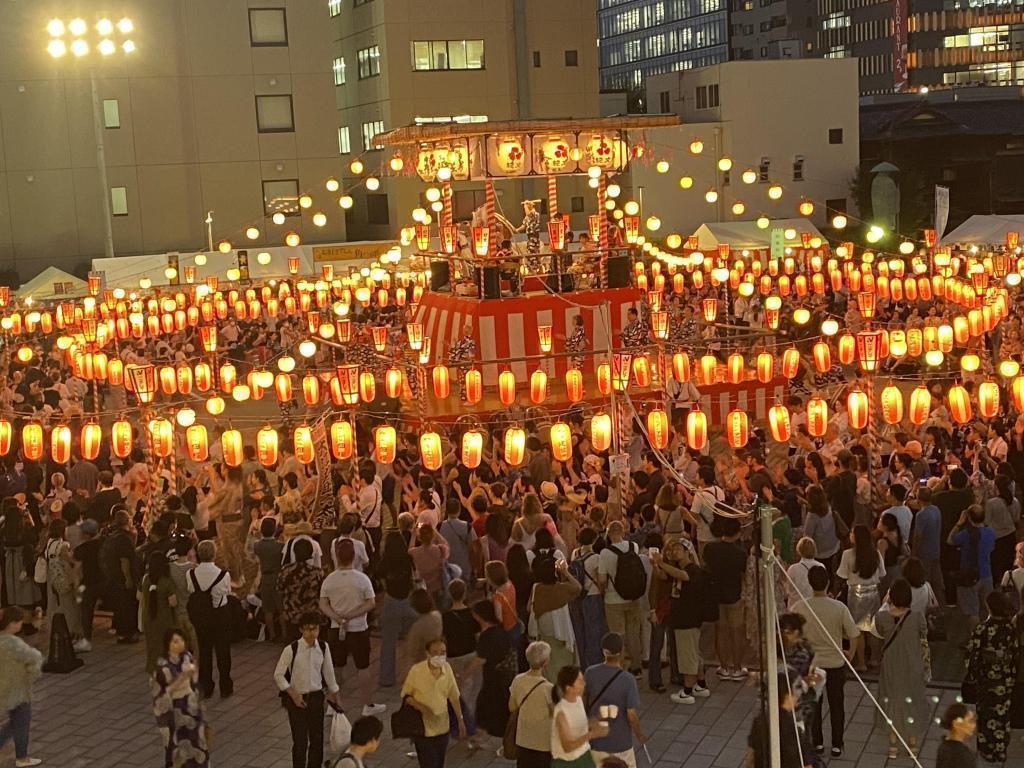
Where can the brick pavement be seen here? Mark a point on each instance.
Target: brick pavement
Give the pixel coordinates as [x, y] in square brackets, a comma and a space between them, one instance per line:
[101, 715]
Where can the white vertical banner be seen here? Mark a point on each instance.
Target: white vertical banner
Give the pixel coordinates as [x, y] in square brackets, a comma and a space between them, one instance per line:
[941, 210]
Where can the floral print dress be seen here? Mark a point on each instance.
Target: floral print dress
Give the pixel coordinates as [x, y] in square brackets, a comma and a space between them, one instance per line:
[178, 713]
[992, 652]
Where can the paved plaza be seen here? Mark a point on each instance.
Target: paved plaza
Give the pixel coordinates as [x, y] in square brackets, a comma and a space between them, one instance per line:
[101, 715]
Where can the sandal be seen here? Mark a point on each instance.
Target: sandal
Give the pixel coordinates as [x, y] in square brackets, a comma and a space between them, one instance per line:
[893, 753]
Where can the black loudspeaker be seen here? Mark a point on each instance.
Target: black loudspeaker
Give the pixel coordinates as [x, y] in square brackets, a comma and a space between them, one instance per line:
[488, 282]
[559, 281]
[440, 275]
[618, 271]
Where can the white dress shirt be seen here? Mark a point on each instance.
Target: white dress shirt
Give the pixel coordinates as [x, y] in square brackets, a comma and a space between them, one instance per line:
[362, 559]
[205, 574]
[311, 668]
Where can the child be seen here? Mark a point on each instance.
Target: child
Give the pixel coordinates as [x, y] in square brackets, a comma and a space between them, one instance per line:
[268, 552]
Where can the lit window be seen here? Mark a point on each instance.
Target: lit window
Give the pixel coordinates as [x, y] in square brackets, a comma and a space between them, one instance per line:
[370, 130]
[274, 114]
[430, 55]
[369, 62]
[338, 67]
[111, 114]
[267, 27]
[119, 201]
[281, 196]
[344, 143]
[334, 7]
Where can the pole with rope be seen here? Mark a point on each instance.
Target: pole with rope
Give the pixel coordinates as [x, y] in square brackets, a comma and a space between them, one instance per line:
[492, 224]
[447, 214]
[603, 238]
[771, 665]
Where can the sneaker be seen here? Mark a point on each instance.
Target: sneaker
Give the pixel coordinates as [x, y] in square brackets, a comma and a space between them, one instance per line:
[682, 697]
[82, 646]
[740, 674]
[128, 639]
[374, 709]
[700, 691]
[26, 762]
[837, 751]
[724, 673]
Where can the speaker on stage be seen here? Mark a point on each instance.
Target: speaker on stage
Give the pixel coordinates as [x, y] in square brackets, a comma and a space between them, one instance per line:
[488, 282]
[558, 281]
[440, 275]
[618, 270]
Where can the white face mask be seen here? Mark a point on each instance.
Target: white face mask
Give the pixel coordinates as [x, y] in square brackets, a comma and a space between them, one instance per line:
[437, 661]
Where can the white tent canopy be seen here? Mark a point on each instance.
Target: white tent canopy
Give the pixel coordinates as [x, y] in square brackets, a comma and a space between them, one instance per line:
[746, 234]
[985, 229]
[53, 284]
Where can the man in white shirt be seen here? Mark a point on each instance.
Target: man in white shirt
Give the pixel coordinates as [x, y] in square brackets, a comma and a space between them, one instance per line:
[796, 584]
[365, 502]
[346, 527]
[624, 616]
[904, 517]
[346, 598]
[301, 530]
[214, 636]
[303, 672]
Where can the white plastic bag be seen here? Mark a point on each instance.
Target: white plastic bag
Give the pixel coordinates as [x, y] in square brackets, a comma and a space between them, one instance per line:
[341, 731]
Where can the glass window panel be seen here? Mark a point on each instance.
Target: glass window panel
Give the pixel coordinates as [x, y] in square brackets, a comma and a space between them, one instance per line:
[475, 54]
[281, 196]
[421, 55]
[456, 54]
[268, 26]
[274, 114]
[119, 201]
[111, 113]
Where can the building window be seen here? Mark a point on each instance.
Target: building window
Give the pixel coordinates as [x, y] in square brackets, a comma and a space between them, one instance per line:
[576, 205]
[334, 8]
[572, 59]
[835, 135]
[338, 67]
[281, 196]
[707, 96]
[835, 206]
[370, 130]
[369, 62]
[432, 55]
[763, 169]
[267, 27]
[377, 209]
[111, 113]
[764, 52]
[664, 102]
[344, 142]
[536, 58]
[459, 119]
[118, 201]
[360, 2]
[798, 168]
[274, 114]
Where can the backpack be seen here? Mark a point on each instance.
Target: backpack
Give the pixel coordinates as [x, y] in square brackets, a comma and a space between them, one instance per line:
[200, 603]
[283, 695]
[58, 573]
[630, 576]
[110, 561]
[578, 569]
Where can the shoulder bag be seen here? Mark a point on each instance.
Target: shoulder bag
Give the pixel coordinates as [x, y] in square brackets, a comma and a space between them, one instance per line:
[509, 748]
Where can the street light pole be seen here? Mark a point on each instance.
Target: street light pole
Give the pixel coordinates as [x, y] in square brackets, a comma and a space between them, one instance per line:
[101, 166]
[209, 231]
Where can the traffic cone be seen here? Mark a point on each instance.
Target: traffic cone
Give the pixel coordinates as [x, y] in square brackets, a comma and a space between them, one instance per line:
[62, 656]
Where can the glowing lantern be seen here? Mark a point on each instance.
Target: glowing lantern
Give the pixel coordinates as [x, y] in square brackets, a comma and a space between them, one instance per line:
[734, 368]
[892, 405]
[161, 433]
[970, 362]
[641, 371]
[915, 342]
[658, 428]
[507, 387]
[91, 437]
[283, 387]
[601, 431]
[231, 445]
[710, 309]
[184, 379]
[737, 428]
[1017, 392]
[778, 422]
[538, 386]
[347, 377]
[384, 444]
[141, 380]
[343, 441]
[959, 404]
[394, 380]
[515, 446]
[430, 450]
[266, 446]
[988, 399]
[115, 372]
[765, 367]
[790, 363]
[561, 441]
[196, 443]
[681, 367]
[822, 357]
[32, 441]
[474, 386]
[869, 349]
[857, 409]
[696, 429]
[121, 438]
[60, 444]
[472, 448]
[228, 377]
[215, 405]
[574, 385]
[817, 416]
[708, 369]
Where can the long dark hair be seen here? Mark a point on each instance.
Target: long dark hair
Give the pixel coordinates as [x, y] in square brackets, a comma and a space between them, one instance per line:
[817, 501]
[1004, 488]
[157, 569]
[865, 556]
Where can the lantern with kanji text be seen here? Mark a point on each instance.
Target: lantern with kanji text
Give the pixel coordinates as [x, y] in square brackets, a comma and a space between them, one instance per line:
[472, 448]
[737, 428]
[561, 441]
[817, 416]
[778, 422]
[658, 429]
[857, 408]
[515, 446]
[430, 450]
[601, 431]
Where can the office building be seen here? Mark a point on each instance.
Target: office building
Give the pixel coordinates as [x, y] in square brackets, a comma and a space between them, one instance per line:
[222, 106]
[773, 29]
[401, 62]
[757, 115]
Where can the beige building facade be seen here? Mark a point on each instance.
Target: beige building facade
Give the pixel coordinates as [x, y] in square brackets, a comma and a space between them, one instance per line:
[398, 62]
[224, 106]
[794, 123]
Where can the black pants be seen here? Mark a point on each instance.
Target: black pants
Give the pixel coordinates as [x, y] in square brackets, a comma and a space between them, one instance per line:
[1001, 559]
[90, 596]
[835, 681]
[307, 725]
[215, 639]
[126, 610]
[949, 561]
[430, 750]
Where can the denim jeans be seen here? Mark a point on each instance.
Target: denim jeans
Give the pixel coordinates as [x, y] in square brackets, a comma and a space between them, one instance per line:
[396, 616]
[16, 727]
[589, 627]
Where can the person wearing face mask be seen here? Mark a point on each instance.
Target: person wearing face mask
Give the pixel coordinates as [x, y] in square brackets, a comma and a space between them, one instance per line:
[430, 688]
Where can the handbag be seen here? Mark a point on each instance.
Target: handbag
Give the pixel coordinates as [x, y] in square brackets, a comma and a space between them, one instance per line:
[407, 722]
[341, 729]
[509, 748]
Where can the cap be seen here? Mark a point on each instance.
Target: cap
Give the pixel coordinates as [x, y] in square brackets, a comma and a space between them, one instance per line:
[611, 643]
[89, 527]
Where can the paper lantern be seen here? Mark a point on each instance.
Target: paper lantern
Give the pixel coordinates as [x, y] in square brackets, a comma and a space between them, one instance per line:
[141, 379]
[561, 441]
[681, 367]
[658, 428]
[196, 443]
[267, 446]
[734, 373]
[641, 372]
[311, 389]
[915, 342]
[304, 449]
[960, 404]
[604, 378]
[343, 441]
[696, 429]
[6, 436]
[121, 438]
[91, 438]
[367, 387]
[32, 441]
[737, 428]
[384, 444]
[988, 399]
[778, 422]
[710, 309]
[183, 379]
[115, 372]
[161, 433]
[347, 377]
[472, 448]
[601, 431]
[474, 386]
[1017, 392]
[822, 355]
[892, 404]
[817, 416]
[215, 405]
[847, 348]
[231, 446]
[538, 386]
[60, 444]
[430, 451]
[203, 377]
[394, 381]
[765, 367]
[515, 446]
[857, 409]
[544, 337]
[228, 378]
[507, 387]
[659, 324]
[708, 370]
[869, 349]
[790, 363]
[283, 387]
[574, 385]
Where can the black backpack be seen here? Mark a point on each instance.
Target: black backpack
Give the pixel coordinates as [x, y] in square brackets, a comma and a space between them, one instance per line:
[109, 561]
[630, 576]
[200, 603]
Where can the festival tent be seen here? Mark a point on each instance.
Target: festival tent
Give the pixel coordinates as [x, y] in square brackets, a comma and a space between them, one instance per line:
[985, 229]
[53, 284]
[746, 234]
